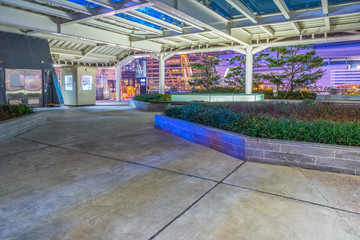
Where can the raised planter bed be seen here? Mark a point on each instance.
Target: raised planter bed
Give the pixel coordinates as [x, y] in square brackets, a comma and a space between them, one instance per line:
[217, 97]
[326, 157]
[338, 98]
[13, 127]
[148, 106]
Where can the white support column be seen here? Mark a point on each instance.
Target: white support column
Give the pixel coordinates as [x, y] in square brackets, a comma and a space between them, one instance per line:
[162, 74]
[118, 83]
[249, 71]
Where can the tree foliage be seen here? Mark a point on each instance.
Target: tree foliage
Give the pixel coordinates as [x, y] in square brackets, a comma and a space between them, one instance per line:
[236, 76]
[205, 75]
[298, 69]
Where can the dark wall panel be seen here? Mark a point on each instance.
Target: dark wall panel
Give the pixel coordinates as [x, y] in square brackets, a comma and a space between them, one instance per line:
[2, 86]
[26, 52]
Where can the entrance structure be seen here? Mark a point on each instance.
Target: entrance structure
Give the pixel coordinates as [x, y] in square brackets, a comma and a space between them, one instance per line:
[112, 33]
[27, 74]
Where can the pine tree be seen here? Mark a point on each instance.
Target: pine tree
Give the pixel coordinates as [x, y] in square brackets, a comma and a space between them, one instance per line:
[205, 75]
[236, 77]
[299, 69]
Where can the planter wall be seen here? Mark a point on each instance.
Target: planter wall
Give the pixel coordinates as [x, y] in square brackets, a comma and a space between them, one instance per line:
[214, 97]
[338, 97]
[333, 158]
[19, 125]
[148, 106]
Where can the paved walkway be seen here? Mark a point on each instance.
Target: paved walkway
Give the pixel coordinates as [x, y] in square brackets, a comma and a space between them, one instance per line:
[104, 172]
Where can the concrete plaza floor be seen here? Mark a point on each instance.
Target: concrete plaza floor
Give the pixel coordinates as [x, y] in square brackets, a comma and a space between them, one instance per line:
[104, 172]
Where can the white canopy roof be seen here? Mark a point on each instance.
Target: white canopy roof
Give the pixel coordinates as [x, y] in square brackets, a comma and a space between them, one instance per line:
[104, 32]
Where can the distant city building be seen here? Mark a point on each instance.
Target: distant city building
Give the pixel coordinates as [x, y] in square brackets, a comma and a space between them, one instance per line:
[177, 71]
[130, 81]
[345, 78]
[129, 86]
[342, 65]
[105, 84]
[341, 62]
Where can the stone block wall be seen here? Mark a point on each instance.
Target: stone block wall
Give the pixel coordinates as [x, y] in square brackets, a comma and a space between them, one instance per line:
[333, 158]
[148, 106]
[218, 97]
[19, 125]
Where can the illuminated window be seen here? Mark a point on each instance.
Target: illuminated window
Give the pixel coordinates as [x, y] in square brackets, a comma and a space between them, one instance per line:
[86, 83]
[68, 82]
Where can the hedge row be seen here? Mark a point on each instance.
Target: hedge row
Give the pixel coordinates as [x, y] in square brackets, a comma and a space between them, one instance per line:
[153, 97]
[308, 110]
[295, 95]
[256, 125]
[8, 111]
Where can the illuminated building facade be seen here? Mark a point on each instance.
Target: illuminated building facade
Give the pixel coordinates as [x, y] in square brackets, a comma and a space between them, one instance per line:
[177, 71]
[342, 65]
[341, 62]
[105, 84]
[129, 85]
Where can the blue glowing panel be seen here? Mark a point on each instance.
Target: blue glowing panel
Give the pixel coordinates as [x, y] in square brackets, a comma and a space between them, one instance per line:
[260, 7]
[222, 8]
[294, 5]
[333, 2]
[156, 14]
[85, 3]
[140, 21]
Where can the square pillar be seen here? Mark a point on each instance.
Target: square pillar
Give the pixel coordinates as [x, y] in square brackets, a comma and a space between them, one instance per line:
[161, 74]
[249, 71]
[78, 85]
[118, 83]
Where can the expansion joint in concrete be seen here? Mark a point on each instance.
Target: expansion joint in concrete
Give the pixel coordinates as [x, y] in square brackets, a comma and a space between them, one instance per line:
[290, 198]
[195, 202]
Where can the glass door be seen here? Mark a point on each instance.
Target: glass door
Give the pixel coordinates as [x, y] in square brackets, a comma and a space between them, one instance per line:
[15, 86]
[34, 88]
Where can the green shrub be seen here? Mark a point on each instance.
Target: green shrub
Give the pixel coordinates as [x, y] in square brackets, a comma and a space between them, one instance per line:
[153, 97]
[304, 110]
[268, 94]
[8, 111]
[261, 125]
